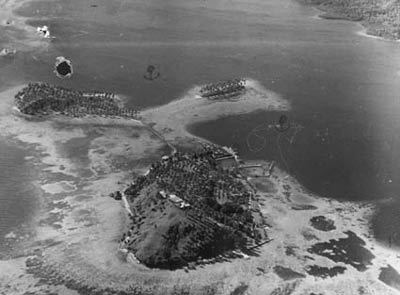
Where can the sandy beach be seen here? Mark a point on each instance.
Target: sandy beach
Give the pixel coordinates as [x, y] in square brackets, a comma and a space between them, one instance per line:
[172, 119]
[73, 246]
[363, 31]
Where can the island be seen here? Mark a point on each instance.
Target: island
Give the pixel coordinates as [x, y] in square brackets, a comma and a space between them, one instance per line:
[381, 18]
[192, 206]
[223, 89]
[45, 99]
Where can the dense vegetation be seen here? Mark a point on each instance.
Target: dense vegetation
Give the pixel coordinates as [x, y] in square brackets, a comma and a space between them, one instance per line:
[223, 89]
[217, 216]
[381, 17]
[45, 99]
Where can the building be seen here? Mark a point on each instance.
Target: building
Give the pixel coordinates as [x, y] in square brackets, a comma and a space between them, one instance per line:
[178, 201]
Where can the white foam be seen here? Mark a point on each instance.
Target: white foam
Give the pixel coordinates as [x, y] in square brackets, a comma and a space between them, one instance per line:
[10, 235]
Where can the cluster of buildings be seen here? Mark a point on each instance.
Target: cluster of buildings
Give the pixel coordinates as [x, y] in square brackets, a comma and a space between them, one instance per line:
[180, 203]
[199, 184]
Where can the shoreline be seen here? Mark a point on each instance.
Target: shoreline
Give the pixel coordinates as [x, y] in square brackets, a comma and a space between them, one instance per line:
[78, 237]
[363, 32]
[329, 13]
[173, 118]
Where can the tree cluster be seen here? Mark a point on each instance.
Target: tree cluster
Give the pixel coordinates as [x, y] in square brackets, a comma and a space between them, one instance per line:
[43, 98]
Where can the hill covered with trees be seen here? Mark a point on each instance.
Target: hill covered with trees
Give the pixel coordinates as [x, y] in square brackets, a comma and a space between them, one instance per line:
[187, 207]
[380, 17]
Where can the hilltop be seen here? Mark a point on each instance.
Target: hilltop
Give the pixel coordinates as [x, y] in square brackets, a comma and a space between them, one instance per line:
[380, 17]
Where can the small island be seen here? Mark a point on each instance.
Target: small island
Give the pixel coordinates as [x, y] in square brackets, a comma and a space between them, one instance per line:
[46, 99]
[224, 89]
[190, 207]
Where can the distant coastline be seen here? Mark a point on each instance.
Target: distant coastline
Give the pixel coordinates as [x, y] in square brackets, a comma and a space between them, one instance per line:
[379, 19]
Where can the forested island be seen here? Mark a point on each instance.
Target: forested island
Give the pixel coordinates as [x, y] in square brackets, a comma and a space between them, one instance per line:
[223, 89]
[191, 206]
[380, 17]
[46, 99]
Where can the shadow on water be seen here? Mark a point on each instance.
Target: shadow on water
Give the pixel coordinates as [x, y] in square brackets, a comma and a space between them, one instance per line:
[348, 250]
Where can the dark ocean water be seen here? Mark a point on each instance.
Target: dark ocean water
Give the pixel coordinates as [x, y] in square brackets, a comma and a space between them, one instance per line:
[344, 88]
